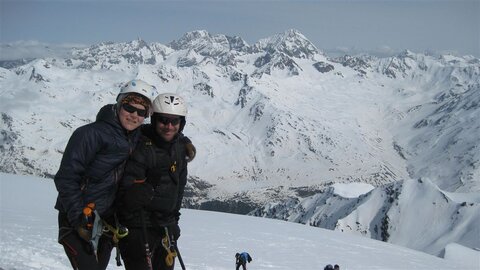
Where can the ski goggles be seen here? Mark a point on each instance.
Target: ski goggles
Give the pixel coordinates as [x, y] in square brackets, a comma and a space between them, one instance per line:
[131, 109]
[169, 120]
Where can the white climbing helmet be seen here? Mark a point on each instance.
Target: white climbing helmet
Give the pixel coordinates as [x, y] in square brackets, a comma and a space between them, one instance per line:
[140, 87]
[170, 103]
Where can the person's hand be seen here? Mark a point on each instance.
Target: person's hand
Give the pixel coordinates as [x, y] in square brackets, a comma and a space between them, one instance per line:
[84, 227]
[84, 233]
[174, 231]
[191, 151]
[138, 196]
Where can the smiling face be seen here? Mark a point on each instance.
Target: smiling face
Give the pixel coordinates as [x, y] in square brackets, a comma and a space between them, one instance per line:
[167, 126]
[129, 118]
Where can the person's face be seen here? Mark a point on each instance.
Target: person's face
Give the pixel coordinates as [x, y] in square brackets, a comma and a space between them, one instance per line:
[167, 126]
[131, 115]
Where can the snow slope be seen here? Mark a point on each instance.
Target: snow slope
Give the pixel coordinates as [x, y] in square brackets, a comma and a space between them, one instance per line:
[209, 240]
[411, 213]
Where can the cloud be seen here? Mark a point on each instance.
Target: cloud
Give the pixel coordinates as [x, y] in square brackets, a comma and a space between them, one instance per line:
[383, 51]
[35, 49]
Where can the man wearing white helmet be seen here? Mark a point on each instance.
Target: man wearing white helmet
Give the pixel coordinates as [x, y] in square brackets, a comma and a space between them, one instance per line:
[152, 188]
[91, 167]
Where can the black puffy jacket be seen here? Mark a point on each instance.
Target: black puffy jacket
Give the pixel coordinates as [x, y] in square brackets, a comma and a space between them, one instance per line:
[92, 165]
[163, 166]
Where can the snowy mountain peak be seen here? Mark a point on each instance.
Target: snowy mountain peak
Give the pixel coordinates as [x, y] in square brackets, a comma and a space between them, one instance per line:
[109, 55]
[207, 44]
[291, 42]
[406, 53]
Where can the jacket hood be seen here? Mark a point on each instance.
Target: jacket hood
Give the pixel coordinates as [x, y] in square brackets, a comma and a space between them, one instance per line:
[108, 113]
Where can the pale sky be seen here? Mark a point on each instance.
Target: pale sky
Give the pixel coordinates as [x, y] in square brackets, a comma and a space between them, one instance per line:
[372, 26]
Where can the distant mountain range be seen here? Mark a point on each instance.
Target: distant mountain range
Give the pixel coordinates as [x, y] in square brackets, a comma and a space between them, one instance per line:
[276, 123]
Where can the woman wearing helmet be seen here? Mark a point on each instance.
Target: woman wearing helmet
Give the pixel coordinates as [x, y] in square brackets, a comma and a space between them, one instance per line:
[152, 188]
[89, 173]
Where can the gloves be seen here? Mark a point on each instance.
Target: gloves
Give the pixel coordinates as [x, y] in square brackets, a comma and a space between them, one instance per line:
[137, 196]
[174, 231]
[84, 233]
[84, 229]
[191, 151]
[189, 148]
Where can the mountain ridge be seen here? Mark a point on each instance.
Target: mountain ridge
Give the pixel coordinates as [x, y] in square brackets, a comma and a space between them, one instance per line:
[275, 121]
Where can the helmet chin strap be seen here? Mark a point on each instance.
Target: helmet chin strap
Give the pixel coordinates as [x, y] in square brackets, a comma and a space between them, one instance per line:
[183, 121]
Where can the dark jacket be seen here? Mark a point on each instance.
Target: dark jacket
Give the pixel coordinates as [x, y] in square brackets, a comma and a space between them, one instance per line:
[92, 165]
[163, 166]
[242, 258]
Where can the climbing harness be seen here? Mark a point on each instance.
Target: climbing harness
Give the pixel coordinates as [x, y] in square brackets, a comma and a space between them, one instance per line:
[171, 252]
[118, 232]
[98, 227]
[148, 253]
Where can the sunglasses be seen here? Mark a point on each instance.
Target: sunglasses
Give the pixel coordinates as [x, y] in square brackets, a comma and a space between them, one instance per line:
[168, 120]
[130, 109]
